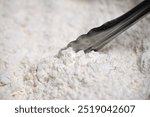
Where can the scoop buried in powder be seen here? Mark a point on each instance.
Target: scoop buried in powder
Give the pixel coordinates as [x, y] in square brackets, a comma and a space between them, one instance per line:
[97, 38]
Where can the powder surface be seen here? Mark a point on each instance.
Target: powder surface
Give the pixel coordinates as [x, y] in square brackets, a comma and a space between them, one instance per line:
[91, 76]
[30, 67]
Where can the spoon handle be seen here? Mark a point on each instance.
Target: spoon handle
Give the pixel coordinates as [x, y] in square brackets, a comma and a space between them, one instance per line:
[98, 37]
[117, 26]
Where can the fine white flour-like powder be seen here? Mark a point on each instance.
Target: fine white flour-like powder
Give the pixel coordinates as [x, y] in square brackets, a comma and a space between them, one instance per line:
[90, 76]
[33, 31]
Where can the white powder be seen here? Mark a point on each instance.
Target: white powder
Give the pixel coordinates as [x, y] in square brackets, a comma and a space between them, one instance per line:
[29, 68]
[90, 76]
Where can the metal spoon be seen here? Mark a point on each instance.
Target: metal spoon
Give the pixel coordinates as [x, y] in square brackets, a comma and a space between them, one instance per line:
[98, 37]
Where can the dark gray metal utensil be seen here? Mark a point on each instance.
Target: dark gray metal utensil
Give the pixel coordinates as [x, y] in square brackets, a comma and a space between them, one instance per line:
[98, 37]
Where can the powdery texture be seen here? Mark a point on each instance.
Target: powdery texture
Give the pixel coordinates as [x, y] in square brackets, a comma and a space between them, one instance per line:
[33, 31]
[90, 76]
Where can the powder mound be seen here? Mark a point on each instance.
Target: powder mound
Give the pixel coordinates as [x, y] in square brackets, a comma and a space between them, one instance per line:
[68, 64]
[88, 76]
